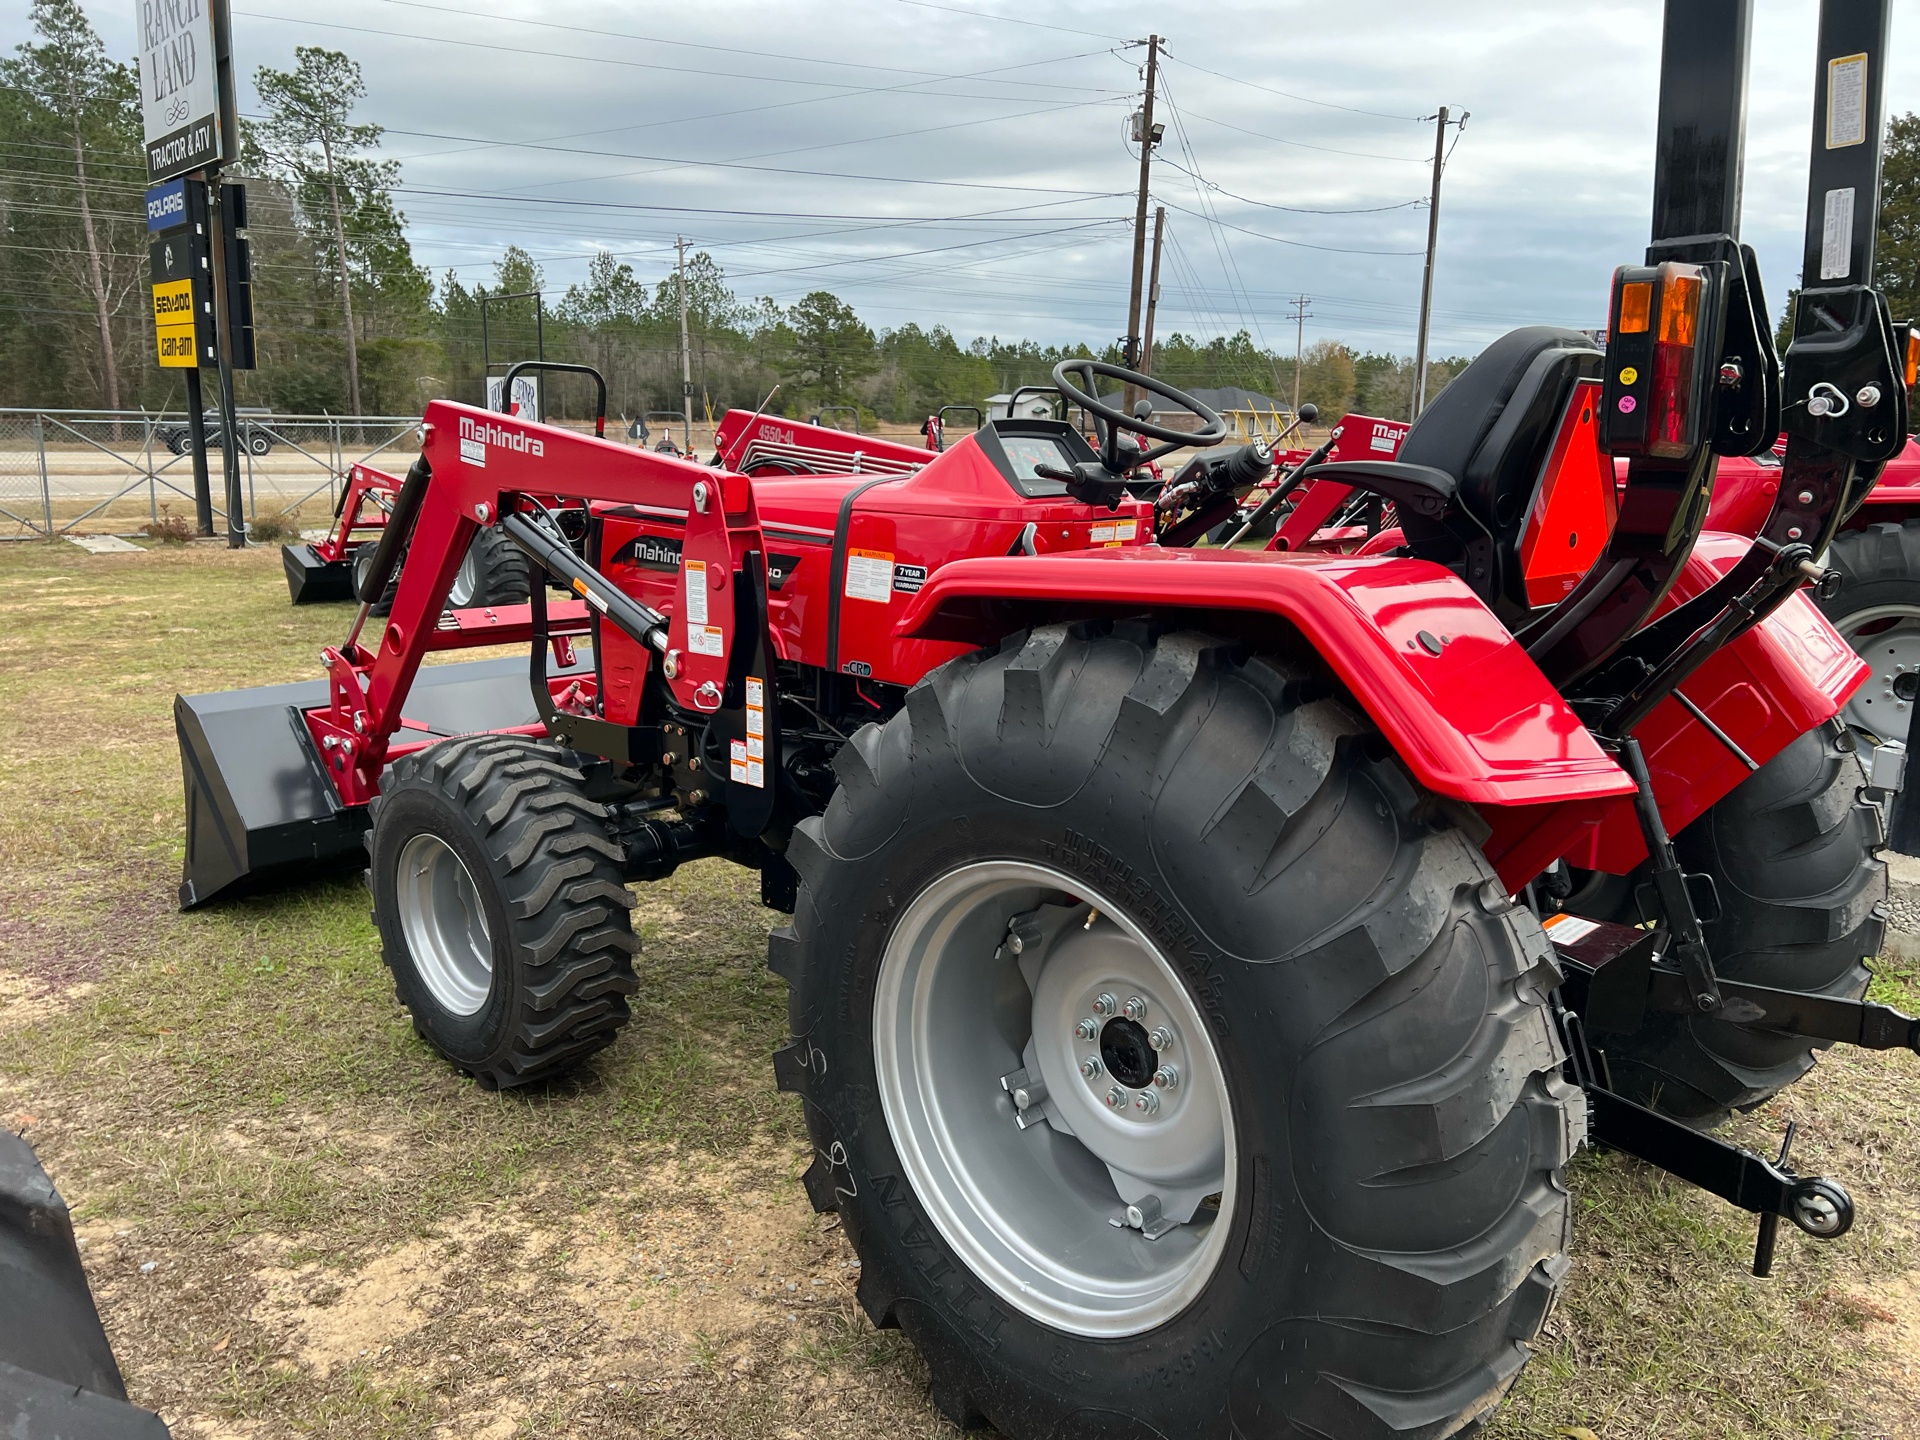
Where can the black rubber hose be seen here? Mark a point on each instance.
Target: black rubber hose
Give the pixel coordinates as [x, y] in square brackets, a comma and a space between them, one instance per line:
[643, 623]
[398, 531]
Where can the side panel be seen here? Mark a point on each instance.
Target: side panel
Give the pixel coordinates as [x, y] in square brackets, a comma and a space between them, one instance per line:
[1449, 687]
[1779, 680]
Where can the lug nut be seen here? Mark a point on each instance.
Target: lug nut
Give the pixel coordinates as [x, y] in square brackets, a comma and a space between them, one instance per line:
[1166, 1077]
[1136, 1008]
[1090, 1066]
[1104, 1004]
[1115, 1098]
[1147, 1103]
[1086, 1030]
[1161, 1038]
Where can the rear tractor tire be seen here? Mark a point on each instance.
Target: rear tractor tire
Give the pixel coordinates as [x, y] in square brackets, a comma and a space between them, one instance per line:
[1877, 612]
[497, 890]
[1793, 856]
[1174, 1065]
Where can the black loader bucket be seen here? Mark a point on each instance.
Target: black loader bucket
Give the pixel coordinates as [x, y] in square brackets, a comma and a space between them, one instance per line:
[58, 1377]
[261, 808]
[312, 580]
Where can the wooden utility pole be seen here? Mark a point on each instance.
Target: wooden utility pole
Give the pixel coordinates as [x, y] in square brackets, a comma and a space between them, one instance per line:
[686, 359]
[1301, 315]
[1140, 214]
[1153, 292]
[1426, 283]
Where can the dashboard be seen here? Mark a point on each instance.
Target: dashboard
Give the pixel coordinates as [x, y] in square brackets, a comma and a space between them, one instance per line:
[1018, 448]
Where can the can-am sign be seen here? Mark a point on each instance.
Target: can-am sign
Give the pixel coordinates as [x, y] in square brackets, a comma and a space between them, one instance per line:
[179, 86]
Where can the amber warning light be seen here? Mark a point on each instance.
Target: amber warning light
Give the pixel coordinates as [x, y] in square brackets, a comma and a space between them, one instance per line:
[1913, 356]
[1653, 401]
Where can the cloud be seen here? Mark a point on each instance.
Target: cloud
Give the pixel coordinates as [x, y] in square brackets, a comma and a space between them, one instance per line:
[971, 169]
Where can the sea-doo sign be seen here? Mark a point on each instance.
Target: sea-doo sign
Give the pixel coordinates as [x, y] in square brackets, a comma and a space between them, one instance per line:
[180, 86]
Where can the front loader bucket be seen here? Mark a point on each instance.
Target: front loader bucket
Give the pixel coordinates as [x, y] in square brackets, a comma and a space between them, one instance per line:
[258, 798]
[261, 806]
[312, 580]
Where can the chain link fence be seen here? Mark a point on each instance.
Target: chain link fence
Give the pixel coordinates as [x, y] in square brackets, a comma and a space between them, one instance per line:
[103, 472]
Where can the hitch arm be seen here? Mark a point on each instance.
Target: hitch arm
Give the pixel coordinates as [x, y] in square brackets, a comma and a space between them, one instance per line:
[1818, 1017]
[1819, 1206]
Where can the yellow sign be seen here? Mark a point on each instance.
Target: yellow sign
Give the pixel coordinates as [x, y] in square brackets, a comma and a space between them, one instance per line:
[173, 326]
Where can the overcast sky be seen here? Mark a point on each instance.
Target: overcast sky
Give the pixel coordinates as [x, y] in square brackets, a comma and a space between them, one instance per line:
[966, 163]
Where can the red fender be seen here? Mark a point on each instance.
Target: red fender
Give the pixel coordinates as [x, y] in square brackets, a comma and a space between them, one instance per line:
[1446, 683]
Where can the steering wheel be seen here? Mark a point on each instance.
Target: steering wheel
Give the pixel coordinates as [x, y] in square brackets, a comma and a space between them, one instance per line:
[1111, 421]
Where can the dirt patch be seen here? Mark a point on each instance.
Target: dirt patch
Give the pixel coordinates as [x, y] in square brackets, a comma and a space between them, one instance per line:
[1888, 1315]
[336, 1320]
[28, 1000]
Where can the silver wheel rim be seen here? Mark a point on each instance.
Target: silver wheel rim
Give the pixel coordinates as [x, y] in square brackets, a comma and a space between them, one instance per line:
[1887, 637]
[1041, 1203]
[466, 584]
[445, 924]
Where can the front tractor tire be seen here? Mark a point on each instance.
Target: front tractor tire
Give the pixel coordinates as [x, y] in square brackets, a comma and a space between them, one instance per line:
[1174, 1064]
[498, 893]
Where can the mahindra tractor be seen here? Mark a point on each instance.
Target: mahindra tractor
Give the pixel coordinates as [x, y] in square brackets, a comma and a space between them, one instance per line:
[1189, 1008]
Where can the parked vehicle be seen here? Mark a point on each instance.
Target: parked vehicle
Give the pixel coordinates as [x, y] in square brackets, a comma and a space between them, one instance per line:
[256, 434]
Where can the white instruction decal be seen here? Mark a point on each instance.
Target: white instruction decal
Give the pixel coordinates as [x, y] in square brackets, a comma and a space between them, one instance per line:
[1836, 239]
[696, 593]
[1569, 929]
[869, 575]
[706, 640]
[1846, 101]
[745, 769]
[473, 452]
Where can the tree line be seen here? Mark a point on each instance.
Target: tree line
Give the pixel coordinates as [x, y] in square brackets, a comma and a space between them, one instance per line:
[348, 322]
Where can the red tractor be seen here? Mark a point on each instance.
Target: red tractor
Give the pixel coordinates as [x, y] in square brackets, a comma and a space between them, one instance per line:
[1190, 1023]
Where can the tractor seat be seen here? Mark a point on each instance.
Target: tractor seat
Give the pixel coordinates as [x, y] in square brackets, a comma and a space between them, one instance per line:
[1470, 467]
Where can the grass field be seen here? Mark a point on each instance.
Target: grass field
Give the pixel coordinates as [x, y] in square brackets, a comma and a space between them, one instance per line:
[299, 1222]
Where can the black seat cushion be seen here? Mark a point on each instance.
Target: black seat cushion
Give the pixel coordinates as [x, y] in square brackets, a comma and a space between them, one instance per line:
[1492, 429]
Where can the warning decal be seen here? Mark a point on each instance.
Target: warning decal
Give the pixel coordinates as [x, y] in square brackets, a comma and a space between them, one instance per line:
[696, 598]
[869, 575]
[1566, 929]
[706, 640]
[747, 759]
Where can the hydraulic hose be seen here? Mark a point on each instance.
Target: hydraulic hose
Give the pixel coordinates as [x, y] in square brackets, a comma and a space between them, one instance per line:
[642, 622]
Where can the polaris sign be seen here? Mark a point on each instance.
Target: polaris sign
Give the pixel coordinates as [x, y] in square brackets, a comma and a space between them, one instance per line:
[180, 86]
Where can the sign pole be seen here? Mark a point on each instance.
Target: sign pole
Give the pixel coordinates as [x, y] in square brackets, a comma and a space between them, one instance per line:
[197, 436]
[223, 348]
[189, 122]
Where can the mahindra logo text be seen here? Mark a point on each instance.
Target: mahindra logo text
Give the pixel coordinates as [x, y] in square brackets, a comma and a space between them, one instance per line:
[487, 433]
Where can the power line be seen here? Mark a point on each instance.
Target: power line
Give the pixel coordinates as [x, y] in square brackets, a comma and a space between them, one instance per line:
[786, 57]
[1290, 95]
[1013, 20]
[1282, 240]
[1305, 145]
